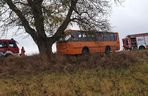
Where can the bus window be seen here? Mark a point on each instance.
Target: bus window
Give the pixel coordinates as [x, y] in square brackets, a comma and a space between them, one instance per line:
[80, 35]
[99, 36]
[67, 37]
[76, 36]
[106, 36]
[113, 37]
[91, 36]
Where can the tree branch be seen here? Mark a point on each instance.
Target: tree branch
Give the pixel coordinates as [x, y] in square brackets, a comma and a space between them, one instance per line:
[36, 8]
[65, 23]
[25, 23]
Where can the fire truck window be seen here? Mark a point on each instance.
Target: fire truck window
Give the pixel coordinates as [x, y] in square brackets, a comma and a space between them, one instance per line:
[126, 41]
[12, 44]
[1, 45]
[5, 44]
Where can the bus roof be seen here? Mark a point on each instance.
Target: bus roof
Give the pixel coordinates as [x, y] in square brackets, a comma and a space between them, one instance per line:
[69, 31]
[140, 34]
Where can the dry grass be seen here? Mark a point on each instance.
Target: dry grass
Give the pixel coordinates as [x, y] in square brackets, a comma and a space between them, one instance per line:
[120, 74]
[37, 63]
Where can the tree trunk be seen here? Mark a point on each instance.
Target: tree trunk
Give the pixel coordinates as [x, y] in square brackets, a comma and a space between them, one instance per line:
[44, 47]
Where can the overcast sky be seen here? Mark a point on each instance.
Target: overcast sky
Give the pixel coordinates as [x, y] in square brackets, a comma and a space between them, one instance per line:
[129, 18]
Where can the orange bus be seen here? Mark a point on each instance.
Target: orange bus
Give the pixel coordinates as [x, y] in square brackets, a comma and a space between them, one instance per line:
[77, 42]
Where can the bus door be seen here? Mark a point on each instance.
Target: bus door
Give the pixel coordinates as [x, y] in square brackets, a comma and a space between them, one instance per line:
[90, 41]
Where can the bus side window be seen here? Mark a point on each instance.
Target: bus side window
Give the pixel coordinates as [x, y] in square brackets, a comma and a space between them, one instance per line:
[115, 36]
[91, 37]
[74, 37]
[80, 36]
[83, 35]
[112, 37]
[99, 37]
[106, 37]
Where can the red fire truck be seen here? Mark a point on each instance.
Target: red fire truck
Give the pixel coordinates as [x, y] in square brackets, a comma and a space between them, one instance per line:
[136, 41]
[8, 47]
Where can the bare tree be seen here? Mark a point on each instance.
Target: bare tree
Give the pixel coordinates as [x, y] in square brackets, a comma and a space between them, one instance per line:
[46, 20]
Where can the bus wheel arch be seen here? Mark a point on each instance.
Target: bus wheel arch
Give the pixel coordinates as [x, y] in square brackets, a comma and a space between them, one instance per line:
[141, 47]
[107, 50]
[85, 51]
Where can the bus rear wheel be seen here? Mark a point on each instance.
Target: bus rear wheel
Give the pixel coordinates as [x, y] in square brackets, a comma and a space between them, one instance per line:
[107, 50]
[85, 54]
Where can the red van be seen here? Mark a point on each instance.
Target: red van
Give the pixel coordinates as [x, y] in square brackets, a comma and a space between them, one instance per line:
[8, 47]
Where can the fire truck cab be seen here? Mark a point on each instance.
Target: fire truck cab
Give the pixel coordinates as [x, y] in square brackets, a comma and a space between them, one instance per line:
[8, 47]
[136, 41]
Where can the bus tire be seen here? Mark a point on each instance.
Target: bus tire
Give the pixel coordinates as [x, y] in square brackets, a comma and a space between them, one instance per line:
[141, 48]
[107, 50]
[85, 51]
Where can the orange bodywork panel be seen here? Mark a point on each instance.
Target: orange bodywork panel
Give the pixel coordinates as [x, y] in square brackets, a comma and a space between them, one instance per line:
[74, 48]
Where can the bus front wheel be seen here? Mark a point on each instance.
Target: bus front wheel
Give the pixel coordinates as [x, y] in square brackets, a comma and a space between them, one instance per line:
[85, 51]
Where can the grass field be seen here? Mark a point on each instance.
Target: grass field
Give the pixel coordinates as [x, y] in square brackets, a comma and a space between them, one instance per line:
[120, 74]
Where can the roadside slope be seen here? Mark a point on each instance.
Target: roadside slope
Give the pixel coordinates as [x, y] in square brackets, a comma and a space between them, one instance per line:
[120, 74]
